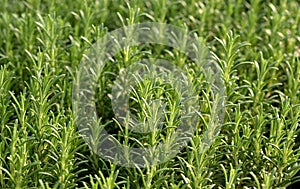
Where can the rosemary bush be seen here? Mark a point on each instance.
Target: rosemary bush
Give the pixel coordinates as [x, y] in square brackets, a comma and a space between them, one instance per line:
[256, 44]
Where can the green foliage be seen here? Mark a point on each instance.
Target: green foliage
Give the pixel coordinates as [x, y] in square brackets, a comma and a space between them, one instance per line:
[255, 43]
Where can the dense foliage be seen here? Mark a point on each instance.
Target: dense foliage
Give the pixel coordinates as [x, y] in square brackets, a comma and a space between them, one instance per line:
[255, 42]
